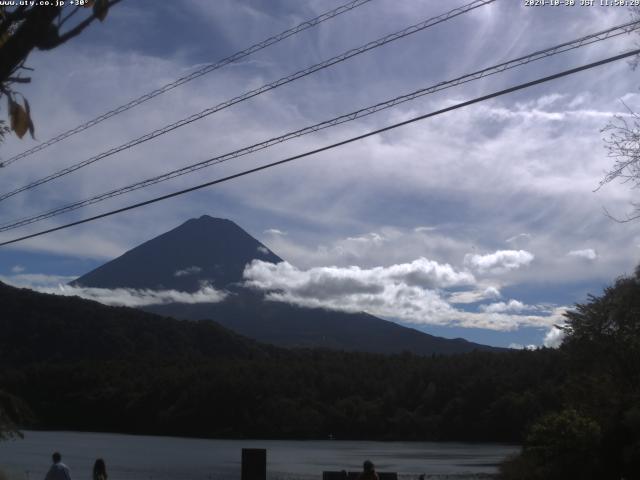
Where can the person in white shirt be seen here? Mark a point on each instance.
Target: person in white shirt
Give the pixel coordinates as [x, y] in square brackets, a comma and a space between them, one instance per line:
[58, 471]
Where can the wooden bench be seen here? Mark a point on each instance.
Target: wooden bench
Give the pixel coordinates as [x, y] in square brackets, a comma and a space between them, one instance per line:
[344, 475]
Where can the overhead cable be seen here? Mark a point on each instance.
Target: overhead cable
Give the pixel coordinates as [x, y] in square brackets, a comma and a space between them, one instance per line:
[252, 93]
[191, 76]
[329, 147]
[523, 60]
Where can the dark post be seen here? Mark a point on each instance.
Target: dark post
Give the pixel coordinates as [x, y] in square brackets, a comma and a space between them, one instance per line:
[254, 464]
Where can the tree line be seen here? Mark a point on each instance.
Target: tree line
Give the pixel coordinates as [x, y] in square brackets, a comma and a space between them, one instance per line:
[576, 410]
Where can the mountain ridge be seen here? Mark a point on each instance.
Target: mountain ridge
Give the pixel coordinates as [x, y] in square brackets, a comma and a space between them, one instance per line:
[139, 267]
[215, 251]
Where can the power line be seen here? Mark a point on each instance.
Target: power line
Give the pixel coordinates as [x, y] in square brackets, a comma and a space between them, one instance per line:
[252, 93]
[538, 55]
[192, 76]
[334, 145]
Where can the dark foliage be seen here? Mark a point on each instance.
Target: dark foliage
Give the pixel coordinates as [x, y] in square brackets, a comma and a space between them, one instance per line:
[216, 251]
[12, 411]
[39, 328]
[596, 434]
[81, 365]
[26, 26]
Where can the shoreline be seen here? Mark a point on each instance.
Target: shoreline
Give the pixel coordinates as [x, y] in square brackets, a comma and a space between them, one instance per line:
[9, 474]
[132, 457]
[265, 439]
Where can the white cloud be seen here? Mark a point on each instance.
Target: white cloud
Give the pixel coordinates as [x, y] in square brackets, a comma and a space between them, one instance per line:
[499, 261]
[36, 280]
[508, 321]
[587, 253]
[372, 237]
[402, 291]
[129, 297]
[193, 270]
[548, 100]
[554, 337]
[274, 231]
[389, 245]
[518, 346]
[501, 307]
[410, 292]
[421, 273]
[424, 229]
[422, 175]
[492, 292]
[475, 296]
[519, 237]
[263, 250]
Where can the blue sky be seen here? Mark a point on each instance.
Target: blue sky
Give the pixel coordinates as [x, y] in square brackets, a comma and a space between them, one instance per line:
[498, 196]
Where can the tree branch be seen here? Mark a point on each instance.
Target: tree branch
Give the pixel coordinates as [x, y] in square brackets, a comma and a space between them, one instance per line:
[13, 17]
[77, 30]
[73, 12]
[629, 218]
[19, 80]
[30, 33]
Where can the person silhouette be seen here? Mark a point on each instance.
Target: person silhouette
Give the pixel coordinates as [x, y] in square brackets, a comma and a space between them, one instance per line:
[100, 470]
[58, 471]
[368, 471]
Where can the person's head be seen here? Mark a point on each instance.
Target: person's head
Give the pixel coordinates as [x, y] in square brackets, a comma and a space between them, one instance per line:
[56, 457]
[99, 468]
[368, 466]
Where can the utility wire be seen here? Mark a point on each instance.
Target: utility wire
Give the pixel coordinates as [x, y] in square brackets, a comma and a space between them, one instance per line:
[192, 76]
[334, 145]
[252, 93]
[538, 55]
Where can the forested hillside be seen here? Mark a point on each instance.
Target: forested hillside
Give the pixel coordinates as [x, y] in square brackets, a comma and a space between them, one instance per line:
[596, 433]
[81, 365]
[38, 328]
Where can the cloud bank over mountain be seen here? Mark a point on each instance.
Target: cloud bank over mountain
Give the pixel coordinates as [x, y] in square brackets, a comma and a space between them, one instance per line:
[413, 292]
[131, 297]
[507, 184]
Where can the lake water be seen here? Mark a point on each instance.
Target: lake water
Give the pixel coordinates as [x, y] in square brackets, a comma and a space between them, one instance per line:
[131, 457]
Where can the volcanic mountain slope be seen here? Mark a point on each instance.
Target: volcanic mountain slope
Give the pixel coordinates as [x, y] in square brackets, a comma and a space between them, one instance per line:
[215, 251]
[205, 249]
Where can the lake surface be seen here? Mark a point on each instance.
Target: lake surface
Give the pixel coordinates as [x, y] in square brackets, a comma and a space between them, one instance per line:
[131, 457]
